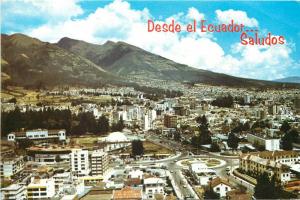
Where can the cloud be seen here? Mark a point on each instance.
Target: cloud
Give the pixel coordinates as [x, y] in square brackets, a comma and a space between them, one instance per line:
[193, 13]
[266, 62]
[119, 21]
[240, 17]
[115, 21]
[50, 10]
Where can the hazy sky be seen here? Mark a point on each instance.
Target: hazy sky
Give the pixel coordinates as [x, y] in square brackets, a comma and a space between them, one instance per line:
[99, 21]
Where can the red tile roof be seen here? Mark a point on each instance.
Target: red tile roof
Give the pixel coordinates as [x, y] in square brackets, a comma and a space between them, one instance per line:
[127, 193]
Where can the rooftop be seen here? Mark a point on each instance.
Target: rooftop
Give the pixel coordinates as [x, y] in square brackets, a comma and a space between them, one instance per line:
[127, 193]
[12, 187]
[217, 181]
[153, 180]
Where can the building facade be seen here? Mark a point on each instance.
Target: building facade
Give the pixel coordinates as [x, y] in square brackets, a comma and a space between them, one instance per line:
[10, 167]
[153, 186]
[41, 189]
[256, 165]
[270, 144]
[99, 162]
[80, 162]
[170, 121]
[38, 134]
[14, 192]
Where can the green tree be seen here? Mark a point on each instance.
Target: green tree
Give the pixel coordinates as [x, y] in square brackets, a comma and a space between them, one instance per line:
[204, 133]
[222, 101]
[288, 139]
[214, 147]
[58, 158]
[137, 147]
[13, 100]
[103, 124]
[25, 143]
[119, 126]
[285, 127]
[177, 135]
[265, 188]
[233, 141]
[211, 194]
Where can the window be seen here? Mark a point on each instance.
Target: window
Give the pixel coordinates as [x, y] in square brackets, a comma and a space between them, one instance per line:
[218, 189]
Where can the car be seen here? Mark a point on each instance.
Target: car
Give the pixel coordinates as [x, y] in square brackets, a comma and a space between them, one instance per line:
[172, 171]
[228, 168]
[184, 186]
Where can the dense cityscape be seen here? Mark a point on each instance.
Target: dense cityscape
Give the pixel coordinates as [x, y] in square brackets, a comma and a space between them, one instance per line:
[162, 140]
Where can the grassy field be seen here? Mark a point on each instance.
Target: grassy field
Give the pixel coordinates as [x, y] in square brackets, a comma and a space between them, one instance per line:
[149, 147]
[85, 141]
[211, 162]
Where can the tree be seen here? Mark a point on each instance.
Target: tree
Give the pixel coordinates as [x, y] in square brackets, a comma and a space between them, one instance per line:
[285, 127]
[58, 158]
[103, 124]
[119, 126]
[25, 143]
[288, 139]
[226, 101]
[177, 135]
[233, 141]
[214, 147]
[211, 194]
[205, 137]
[137, 147]
[13, 100]
[265, 188]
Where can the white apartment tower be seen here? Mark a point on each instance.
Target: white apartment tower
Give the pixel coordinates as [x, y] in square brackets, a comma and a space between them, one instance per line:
[80, 162]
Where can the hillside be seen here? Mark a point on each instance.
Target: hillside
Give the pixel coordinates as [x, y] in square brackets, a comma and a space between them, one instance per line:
[126, 60]
[28, 61]
[291, 79]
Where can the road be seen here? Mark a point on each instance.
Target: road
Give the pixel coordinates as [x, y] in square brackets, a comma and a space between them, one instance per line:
[180, 181]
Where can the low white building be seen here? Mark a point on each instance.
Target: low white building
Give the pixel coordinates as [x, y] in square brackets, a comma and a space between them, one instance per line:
[270, 144]
[201, 172]
[115, 140]
[80, 162]
[38, 134]
[220, 186]
[153, 186]
[41, 189]
[136, 174]
[13, 192]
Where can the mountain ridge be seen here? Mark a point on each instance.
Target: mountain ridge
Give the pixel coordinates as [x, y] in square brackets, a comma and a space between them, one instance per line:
[125, 59]
[289, 79]
[27, 61]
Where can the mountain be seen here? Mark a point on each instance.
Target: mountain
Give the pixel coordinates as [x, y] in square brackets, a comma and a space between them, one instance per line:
[28, 61]
[127, 60]
[291, 79]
